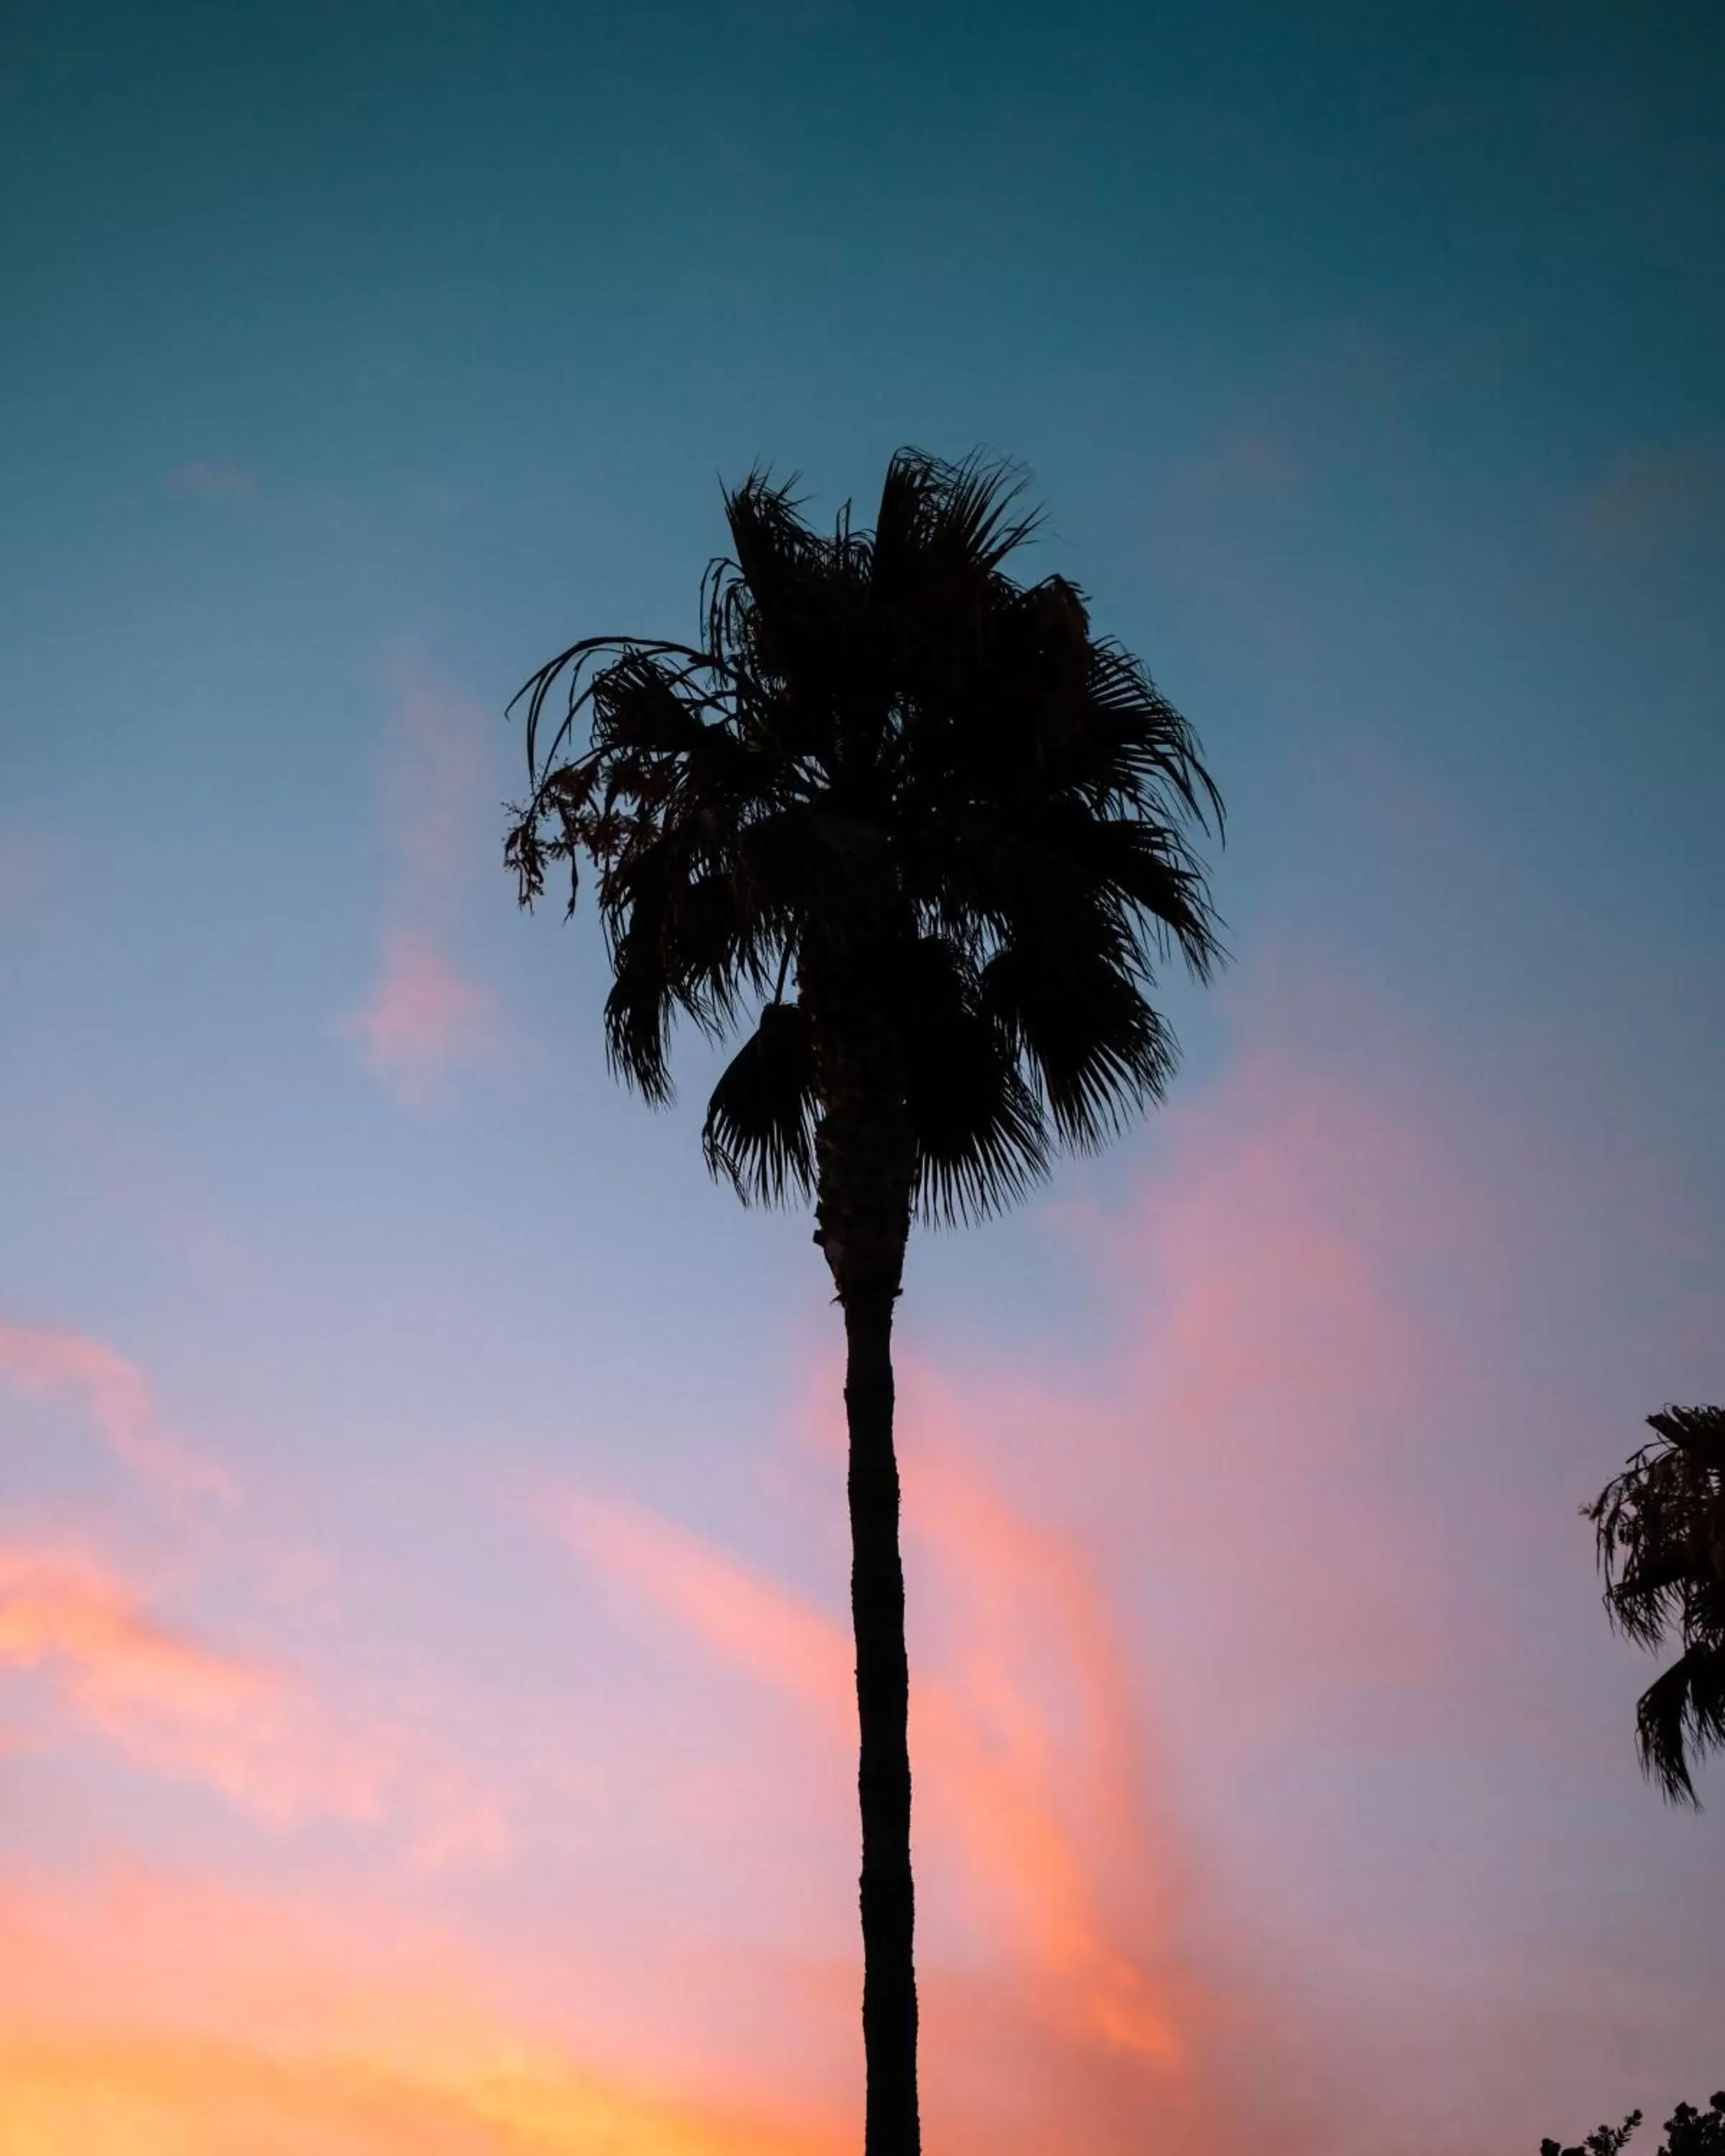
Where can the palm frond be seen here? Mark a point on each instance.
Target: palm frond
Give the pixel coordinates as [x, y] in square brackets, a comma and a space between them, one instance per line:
[1681, 1711]
[1660, 1530]
[759, 1133]
[1098, 1049]
[638, 1021]
[960, 514]
[981, 1142]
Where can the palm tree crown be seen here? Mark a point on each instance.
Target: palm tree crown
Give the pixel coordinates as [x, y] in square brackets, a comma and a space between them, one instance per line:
[1661, 1526]
[886, 763]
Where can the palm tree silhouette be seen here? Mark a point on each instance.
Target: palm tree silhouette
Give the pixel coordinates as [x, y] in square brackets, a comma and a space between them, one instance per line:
[1660, 1529]
[931, 833]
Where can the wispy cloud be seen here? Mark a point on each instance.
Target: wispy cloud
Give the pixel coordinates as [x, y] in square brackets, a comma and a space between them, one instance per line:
[1306, 1477]
[1256, 1497]
[1191, 1623]
[1026, 1776]
[1286, 1260]
[117, 1396]
[174, 1705]
[1036, 1735]
[751, 1620]
[213, 479]
[177, 1707]
[428, 1020]
[425, 1021]
[24, 870]
[1657, 497]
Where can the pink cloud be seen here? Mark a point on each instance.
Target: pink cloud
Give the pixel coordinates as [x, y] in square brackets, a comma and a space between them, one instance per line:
[118, 1398]
[174, 1705]
[213, 479]
[1255, 1494]
[427, 1020]
[1274, 1369]
[1042, 1862]
[753, 1622]
[1185, 1582]
[1037, 1733]
[424, 1022]
[435, 795]
[180, 1709]
[1304, 1479]
[1656, 497]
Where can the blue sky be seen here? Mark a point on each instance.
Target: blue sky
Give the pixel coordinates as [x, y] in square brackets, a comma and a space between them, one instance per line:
[1367, 362]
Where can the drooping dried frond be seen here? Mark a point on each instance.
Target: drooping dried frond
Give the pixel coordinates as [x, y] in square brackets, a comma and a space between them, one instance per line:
[1661, 1537]
[881, 740]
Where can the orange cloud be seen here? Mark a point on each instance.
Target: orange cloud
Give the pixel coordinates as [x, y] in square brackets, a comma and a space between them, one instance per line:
[116, 1396]
[1032, 1739]
[175, 1707]
[1229, 1453]
[1042, 1818]
[168, 2018]
[759, 1625]
[192, 2098]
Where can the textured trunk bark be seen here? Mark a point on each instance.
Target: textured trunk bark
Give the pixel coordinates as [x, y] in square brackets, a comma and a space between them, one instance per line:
[877, 1608]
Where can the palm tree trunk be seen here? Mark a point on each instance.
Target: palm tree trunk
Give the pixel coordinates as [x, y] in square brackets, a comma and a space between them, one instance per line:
[865, 1151]
[877, 1609]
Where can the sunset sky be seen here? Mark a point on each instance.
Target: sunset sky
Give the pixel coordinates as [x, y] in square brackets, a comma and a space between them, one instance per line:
[423, 1716]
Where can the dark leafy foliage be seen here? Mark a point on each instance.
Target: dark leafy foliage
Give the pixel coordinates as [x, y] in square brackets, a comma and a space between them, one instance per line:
[1687, 2133]
[1660, 1529]
[1602, 2141]
[1692, 2132]
[882, 741]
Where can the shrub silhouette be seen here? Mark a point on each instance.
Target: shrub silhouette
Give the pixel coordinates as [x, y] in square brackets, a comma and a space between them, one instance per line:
[1687, 2133]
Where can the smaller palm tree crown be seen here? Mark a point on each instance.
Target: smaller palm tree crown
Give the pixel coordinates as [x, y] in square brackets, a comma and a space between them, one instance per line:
[1661, 1526]
[886, 761]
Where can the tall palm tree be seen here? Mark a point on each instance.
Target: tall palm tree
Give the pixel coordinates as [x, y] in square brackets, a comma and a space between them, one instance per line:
[1660, 1528]
[931, 833]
